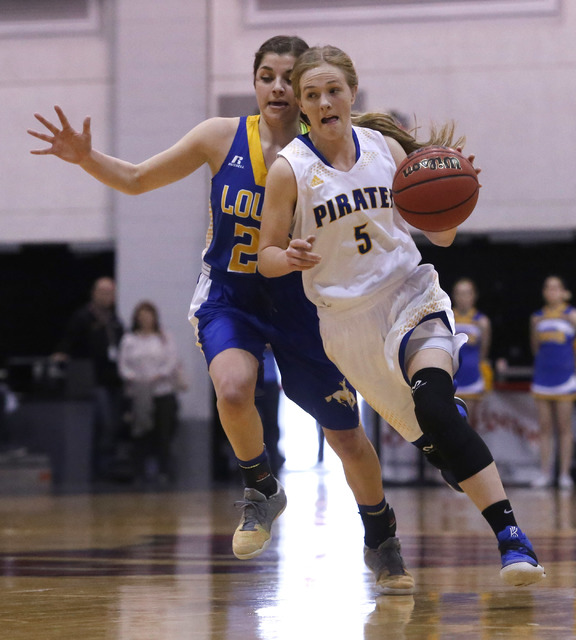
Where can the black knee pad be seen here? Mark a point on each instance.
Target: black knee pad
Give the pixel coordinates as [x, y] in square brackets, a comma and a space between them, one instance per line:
[458, 445]
[430, 451]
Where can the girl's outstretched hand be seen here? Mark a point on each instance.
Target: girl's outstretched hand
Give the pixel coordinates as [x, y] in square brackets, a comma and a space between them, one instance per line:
[65, 143]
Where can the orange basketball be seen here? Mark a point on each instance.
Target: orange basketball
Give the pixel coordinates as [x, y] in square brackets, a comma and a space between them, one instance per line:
[435, 188]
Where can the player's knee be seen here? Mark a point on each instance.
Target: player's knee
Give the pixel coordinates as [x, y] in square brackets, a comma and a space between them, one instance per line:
[234, 392]
[463, 450]
[433, 395]
[346, 442]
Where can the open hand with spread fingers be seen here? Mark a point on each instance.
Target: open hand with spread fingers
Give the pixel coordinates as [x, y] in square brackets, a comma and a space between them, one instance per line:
[65, 143]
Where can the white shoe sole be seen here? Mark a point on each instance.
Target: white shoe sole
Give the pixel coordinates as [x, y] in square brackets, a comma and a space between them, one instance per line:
[522, 574]
[391, 591]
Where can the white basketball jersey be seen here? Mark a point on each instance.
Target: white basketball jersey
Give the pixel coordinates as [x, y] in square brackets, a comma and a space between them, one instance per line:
[365, 245]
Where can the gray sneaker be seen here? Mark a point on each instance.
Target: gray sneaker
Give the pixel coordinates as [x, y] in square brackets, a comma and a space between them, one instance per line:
[389, 569]
[258, 513]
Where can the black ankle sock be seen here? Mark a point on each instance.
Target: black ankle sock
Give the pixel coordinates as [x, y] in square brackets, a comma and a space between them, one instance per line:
[499, 516]
[379, 523]
[256, 474]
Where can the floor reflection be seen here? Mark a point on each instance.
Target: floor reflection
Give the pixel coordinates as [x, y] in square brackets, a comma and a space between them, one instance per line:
[160, 566]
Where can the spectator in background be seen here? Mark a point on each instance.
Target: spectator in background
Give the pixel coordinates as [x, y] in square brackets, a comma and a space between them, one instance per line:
[473, 377]
[93, 334]
[267, 403]
[149, 367]
[552, 333]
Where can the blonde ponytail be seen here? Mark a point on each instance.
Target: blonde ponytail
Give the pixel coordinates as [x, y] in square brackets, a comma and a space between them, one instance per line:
[388, 126]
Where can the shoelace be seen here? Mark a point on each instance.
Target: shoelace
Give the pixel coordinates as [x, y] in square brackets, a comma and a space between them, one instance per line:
[392, 561]
[254, 513]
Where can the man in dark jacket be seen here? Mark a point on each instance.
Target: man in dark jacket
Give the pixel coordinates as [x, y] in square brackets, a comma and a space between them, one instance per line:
[93, 335]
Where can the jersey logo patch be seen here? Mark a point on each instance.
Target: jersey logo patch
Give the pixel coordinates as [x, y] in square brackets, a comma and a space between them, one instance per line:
[343, 396]
[316, 181]
[236, 162]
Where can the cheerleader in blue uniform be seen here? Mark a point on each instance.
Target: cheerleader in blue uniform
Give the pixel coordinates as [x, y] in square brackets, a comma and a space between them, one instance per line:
[471, 377]
[552, 334]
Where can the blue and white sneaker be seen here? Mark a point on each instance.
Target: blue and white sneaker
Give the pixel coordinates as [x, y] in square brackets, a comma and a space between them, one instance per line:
[519, 562]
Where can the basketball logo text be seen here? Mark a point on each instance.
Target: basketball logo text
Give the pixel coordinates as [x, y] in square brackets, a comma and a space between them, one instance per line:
[434, 164]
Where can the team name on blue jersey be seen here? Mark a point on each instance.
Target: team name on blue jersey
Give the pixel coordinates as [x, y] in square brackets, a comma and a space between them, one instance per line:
[244, 204]
[236, 199]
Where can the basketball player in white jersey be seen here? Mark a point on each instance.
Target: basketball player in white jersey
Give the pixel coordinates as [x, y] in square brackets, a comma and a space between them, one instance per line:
[384, 319]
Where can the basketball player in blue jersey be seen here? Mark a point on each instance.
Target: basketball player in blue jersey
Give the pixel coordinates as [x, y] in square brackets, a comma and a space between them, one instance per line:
[237, 312]
[384, 319]
[552, 335]
[470, 377]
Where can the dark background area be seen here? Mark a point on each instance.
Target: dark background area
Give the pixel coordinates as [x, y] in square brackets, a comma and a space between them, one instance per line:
[509, 276]
[41, 285]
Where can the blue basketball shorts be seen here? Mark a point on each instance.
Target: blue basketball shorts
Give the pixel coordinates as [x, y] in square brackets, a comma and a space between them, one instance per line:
[278, 314]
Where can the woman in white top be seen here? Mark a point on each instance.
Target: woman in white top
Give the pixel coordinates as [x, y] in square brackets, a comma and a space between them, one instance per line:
[148, 364]
[384, 319]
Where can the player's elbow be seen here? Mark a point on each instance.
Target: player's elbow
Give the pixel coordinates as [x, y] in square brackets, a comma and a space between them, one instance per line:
[135, 181]
[135, 187]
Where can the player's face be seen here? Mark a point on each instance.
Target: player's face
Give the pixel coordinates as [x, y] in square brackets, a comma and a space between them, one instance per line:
[327, 100]
[274, 93]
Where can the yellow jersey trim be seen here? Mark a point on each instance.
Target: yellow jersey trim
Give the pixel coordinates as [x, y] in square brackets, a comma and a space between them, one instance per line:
[256, 156]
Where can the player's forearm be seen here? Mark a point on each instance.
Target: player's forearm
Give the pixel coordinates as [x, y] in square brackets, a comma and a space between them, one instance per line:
[113, 172]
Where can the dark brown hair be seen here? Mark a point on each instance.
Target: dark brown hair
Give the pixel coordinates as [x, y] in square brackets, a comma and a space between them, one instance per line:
[280, 45]
[146, 305]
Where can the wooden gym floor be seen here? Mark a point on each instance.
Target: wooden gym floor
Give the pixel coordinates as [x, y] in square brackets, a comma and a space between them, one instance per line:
[159, 566]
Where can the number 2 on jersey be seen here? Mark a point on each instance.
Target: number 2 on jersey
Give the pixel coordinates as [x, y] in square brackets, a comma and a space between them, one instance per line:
[244, 258]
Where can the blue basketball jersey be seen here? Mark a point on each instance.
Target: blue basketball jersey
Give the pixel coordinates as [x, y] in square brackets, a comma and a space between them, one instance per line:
[236, 207]
[234, 307]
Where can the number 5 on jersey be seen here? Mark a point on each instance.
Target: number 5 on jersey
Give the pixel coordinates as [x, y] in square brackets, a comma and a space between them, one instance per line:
[362, 238]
